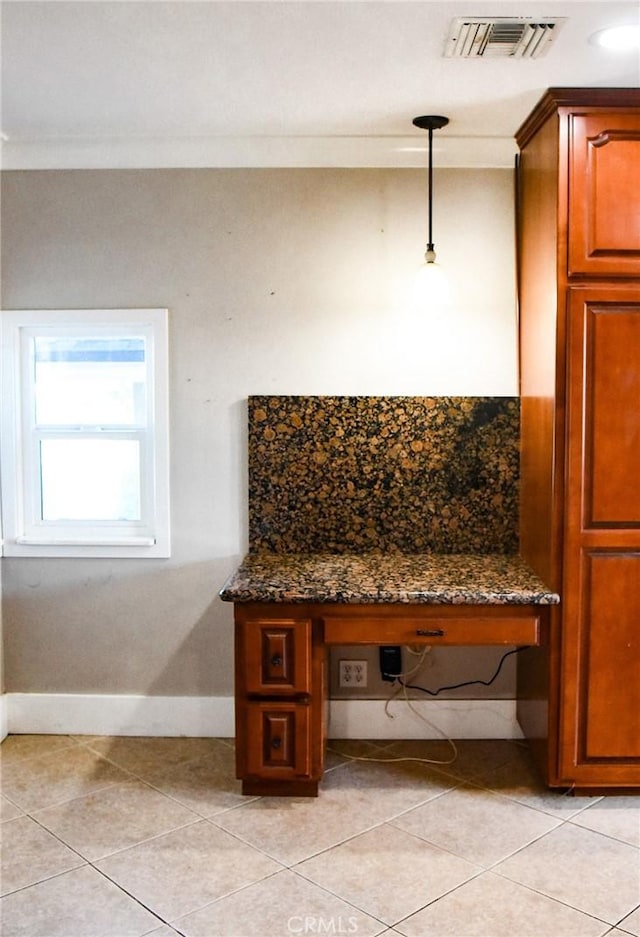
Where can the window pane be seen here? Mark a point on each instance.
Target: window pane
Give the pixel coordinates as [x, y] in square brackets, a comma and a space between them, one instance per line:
[90, 479]
[90, 381]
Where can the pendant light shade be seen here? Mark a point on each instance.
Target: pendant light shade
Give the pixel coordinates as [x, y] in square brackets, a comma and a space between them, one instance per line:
[430, 123]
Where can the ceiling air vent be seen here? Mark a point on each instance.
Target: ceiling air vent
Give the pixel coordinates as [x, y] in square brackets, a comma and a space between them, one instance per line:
[505, 37]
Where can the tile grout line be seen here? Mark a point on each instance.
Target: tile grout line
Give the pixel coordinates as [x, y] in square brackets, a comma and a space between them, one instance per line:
[559, 901]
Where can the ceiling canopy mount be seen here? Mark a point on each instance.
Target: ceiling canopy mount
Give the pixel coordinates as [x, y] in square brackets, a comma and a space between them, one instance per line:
[431, 122]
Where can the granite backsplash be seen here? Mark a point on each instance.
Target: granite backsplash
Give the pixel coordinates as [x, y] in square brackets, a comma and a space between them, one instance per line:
[383, 474]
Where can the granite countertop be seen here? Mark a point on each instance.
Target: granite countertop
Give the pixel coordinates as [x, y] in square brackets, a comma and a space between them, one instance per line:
[373, 578]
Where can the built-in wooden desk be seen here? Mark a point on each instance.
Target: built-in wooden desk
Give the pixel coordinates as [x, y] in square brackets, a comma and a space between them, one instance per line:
[289, 608]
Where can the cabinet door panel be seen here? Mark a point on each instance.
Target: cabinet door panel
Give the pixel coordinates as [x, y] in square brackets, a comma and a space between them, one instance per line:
[611, 662]
[611, 412]
[604, 195]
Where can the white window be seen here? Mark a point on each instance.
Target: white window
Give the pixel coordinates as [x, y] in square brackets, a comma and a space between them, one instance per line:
[85, 442]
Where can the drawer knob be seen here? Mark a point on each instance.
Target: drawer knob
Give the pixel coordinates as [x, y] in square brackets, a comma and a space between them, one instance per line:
[276, 660]
[276, 743]
[430, 633]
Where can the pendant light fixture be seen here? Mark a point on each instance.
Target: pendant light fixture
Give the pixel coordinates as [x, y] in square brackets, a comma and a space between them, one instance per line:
[430, 123]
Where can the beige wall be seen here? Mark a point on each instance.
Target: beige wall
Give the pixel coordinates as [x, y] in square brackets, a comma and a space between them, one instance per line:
[277, 281]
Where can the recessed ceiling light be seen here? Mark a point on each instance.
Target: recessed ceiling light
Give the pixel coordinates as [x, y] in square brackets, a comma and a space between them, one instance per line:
[618, 38]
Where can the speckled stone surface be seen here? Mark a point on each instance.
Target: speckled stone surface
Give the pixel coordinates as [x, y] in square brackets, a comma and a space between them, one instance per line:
[385, 474]
[446, 579]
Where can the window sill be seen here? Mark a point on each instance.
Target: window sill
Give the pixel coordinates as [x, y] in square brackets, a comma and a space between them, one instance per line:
[52, 542]
[137, 548]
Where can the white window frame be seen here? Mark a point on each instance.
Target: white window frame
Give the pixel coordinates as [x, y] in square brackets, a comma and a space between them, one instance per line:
[24, 531]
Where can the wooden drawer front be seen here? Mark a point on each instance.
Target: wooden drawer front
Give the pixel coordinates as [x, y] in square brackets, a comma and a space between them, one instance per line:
[279, 740]
[522, 630]
[277, 658]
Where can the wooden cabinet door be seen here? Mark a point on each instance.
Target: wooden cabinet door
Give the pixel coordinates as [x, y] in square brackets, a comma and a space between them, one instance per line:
[600, 696]
[611, 704]
[604, 194]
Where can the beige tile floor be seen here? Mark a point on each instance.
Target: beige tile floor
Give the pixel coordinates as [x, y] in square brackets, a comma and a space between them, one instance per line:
[123, 837]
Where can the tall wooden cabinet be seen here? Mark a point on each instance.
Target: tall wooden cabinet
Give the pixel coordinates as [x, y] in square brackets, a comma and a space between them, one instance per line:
[579, 298]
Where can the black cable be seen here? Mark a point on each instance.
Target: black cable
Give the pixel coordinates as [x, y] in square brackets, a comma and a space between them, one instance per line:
[458, 686]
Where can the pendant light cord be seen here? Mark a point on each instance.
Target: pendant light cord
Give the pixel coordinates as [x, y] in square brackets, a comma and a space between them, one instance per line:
[430, 239]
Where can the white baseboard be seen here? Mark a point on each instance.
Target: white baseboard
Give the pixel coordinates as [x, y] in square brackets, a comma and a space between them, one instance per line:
[88, 714]
[4, 722]
[213, 716]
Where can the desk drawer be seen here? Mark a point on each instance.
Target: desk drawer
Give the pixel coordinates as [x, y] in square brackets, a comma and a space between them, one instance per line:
[279, 740]
[459, 630]
[276, 656]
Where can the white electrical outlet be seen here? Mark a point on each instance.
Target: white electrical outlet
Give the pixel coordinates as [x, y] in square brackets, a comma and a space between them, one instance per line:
[352, 673]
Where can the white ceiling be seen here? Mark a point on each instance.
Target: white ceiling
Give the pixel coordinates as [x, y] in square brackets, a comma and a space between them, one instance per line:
[272, 83]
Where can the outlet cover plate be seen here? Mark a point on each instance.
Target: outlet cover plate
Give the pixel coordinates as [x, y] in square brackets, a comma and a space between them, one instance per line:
[352, 674]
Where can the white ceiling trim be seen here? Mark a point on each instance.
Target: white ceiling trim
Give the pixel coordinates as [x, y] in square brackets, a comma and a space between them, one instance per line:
[258, 152]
